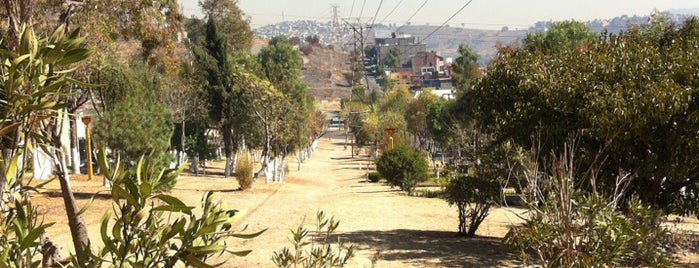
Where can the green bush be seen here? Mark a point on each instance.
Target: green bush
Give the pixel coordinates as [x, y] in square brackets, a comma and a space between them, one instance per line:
[599, 236]
[473, 197]
[374, 177]
[243, 172]
[148, 229]
[403, 167]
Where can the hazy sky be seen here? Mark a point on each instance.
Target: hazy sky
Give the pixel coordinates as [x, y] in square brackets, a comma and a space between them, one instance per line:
[491, 14]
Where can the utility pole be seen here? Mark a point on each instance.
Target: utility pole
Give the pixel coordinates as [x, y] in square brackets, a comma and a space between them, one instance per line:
[358, 55]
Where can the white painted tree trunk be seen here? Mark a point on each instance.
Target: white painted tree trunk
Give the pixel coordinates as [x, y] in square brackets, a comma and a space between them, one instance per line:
[269, 172]
[75, 147]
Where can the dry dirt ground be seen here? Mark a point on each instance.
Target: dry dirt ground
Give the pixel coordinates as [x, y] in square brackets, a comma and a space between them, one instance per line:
[381, 222]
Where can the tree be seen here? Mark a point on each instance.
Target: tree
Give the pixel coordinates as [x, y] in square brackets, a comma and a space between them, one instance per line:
[281, 66]
[630, 97]
[136, 127]
[560, 36]
[473, 197]
[403, 166]
[417, 114]
[214, 58]
[231, 20]
[465, 68]
[392, 60]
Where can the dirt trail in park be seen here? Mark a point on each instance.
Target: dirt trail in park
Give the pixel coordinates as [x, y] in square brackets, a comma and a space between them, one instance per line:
[405, 231]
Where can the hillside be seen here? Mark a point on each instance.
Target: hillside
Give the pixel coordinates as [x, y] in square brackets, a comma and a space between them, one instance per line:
[322, 72]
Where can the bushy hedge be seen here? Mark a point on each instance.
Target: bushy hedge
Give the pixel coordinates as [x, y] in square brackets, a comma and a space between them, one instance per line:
[403, 167]
[374, 177]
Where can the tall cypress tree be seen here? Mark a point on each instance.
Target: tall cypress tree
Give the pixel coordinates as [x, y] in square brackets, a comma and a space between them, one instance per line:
[214, 60]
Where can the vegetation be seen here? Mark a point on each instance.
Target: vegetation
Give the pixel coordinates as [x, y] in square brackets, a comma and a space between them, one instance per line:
[152, 229]
[630, 98]
[319, 251]
[473, 197]
[403, 167]
[244, 172]
[134, 123]
[374, 177]
[576, 229]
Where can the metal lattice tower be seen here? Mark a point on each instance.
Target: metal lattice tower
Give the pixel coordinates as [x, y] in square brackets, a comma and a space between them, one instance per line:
[335, 25]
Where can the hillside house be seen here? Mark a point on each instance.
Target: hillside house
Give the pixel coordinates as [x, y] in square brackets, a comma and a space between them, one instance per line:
[429, 63]
[406, 44]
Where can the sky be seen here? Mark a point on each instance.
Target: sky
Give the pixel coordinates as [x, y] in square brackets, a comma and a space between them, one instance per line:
[482, 14]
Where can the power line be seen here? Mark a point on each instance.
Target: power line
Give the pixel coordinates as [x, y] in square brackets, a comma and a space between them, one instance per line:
[392, 10]
[376, 14]
[416, 11]
[361, 11]
[351, 9]
[447, 21]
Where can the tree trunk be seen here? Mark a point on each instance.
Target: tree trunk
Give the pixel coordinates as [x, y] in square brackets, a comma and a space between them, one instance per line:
[78, 228]
[180, 159]
[228, 149]
[462, 219]
[74, 147]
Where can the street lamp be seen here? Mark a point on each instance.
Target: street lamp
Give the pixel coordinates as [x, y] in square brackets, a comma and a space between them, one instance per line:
[88, 146]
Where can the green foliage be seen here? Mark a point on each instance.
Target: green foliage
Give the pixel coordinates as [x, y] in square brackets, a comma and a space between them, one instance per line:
[20, 224]
[565, 35]
[149, 229]
[231, 20]
[243, 171]
[392, 60]
[473, 197]
[465, 68]
[374, 177]
[403, 167]
[34, 75]
[319, 252]
[632, 97]
[135, 127]
[596, 236]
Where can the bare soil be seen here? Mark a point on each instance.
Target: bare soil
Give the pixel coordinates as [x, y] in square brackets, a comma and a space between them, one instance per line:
[383, 223]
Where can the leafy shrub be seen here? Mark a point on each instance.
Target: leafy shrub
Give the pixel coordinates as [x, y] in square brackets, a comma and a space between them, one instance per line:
[21, 225]
[243, 172]
[159, 230]
[321, 252]
[374, 177]
[473, 197]
[598, 236]
[403, 166]
[576, 229]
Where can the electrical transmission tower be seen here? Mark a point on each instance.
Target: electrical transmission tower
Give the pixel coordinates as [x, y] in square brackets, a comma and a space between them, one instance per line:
[335, 25]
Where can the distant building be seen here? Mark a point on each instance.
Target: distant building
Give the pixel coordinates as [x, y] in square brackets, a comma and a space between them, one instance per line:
[429, 63]
[406, 44]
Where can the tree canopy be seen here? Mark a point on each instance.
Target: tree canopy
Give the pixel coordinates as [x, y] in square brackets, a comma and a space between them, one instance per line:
[630, 100]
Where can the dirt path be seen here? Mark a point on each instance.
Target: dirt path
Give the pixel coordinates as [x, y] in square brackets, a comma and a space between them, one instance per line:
[408, 231]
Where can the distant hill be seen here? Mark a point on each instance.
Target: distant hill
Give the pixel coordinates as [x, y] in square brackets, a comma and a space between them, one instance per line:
[323, 73]
[446, 40]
